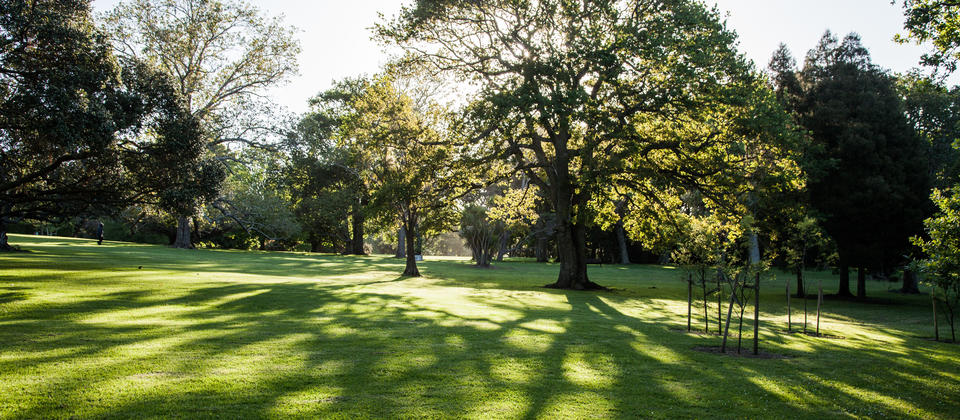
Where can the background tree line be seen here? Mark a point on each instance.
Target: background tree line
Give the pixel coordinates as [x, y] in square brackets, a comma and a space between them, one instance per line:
[566, 132]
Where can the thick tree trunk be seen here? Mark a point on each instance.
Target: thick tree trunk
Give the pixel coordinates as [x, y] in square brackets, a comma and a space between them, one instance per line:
[572, 253]
[571, 231]
[357, 220]
[622, 242]
[844, 289]
[183, 233]
[861, 282]
[910, 282]
[411, 268]
[401, 240]
[502, 245]
[541, 250]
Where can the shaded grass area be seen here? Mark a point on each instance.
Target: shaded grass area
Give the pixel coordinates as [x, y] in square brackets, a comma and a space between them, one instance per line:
[123, 330]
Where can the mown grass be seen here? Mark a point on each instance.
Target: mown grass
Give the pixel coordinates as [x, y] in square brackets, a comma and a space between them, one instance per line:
[124, 330]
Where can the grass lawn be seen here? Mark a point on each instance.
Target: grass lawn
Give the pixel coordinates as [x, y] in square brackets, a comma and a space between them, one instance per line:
[124, 330]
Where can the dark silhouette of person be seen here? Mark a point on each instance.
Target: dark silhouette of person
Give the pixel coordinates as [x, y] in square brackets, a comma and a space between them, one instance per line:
[99, 233]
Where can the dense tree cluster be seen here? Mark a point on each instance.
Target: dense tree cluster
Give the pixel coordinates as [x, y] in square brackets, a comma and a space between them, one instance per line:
[611, 131]
[82, 132]
[866, 164]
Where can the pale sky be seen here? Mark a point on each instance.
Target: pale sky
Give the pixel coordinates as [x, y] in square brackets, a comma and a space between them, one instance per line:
[336, 40]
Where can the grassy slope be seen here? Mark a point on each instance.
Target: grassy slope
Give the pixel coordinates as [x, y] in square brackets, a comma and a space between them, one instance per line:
[85, 332]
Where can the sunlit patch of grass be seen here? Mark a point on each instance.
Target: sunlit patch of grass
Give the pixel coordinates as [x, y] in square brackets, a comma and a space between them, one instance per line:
[126, 330]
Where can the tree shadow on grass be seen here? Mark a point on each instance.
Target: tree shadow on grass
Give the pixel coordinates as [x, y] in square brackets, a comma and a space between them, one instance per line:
[432, 348]
[377, 354]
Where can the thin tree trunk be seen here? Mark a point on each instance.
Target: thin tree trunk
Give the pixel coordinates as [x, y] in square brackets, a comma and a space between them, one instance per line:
[719, 303]
[401, 238]
[844, 289]
[357, 221]
[805, 311]
[789, 312]
[740, 331]
[726, 328]
[800, 289]
[819, 304]
[183, 233]
[861, 282]
[706, 309]
[953, 332]
[622, 242]
[756, 315]
[936, 326]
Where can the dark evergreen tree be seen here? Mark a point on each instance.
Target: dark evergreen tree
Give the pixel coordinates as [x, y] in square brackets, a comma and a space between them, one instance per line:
[867, 176]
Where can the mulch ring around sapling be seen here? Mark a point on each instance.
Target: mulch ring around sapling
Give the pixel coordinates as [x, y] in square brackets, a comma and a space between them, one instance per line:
[746, 352]
[811, 333]
[699, 332]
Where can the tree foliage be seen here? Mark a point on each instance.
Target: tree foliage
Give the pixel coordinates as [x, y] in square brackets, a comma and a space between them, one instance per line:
[481, 233]
[584, 97]
[937, 22]
[80, 132]
[942, 265]
[60, 111]
[866, 165]
[934, 112]
[412, 172]
[221, 56]
[326, 176]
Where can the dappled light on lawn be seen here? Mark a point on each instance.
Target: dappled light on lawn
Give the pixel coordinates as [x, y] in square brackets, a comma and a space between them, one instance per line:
[84, 332]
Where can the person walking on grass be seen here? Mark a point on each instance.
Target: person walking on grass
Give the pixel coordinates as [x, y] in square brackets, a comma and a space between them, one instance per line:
[99, 233]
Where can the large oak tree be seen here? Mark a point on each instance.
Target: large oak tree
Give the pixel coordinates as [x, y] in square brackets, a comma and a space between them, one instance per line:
[591, 98]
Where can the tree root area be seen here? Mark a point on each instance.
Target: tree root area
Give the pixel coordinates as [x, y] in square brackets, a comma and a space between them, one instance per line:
[588, 286]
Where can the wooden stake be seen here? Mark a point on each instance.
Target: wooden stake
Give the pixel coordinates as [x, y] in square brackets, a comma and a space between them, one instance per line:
[719, 303]
[756, 314]
[804, 307]
[789, 312]
[689, 299]
[706, 310]
[936, 327]
[733, 294]
[819, 302]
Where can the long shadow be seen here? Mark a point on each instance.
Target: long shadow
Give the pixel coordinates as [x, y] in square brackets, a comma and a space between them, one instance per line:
[382, 349]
